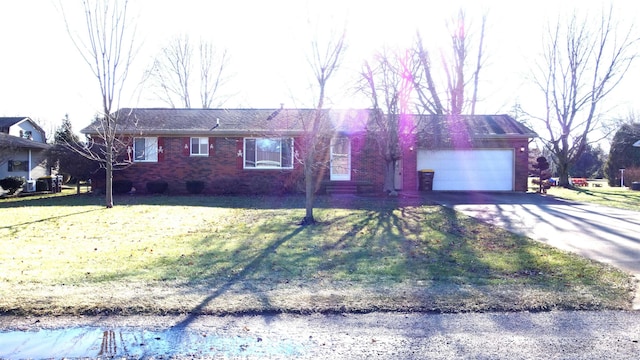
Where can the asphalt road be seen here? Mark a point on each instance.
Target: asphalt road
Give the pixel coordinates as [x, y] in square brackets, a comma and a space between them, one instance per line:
[551, 335]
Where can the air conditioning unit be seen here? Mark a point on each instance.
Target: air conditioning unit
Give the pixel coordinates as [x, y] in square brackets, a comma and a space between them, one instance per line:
[30, 186]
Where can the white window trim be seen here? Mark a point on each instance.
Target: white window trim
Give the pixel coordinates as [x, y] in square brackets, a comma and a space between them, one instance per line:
[151, 153]
[11, 165]
[244, 162]
[206, 139]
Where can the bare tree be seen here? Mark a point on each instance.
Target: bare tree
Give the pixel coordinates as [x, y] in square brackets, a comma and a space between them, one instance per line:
[388, 83]
[610, 127]
[583, 61]
[108, 48]
[459, 89]
[324, 61]
[179, 69]
[213, 73]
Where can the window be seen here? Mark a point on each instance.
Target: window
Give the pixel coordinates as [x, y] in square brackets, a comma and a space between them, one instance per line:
[200, 146]
[26, 134]
[18, 165]
[145, 149]
[268, 153]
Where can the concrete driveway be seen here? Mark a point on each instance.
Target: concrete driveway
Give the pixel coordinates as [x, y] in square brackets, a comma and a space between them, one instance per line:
[598, 232]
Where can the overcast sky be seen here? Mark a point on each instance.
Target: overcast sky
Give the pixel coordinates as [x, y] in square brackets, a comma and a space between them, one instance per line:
[43, 76]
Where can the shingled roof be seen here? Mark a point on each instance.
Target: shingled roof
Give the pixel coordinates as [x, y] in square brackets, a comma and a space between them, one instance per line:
[444, 131]
[479, 126]
[247, 122]
[229, 121]
[9, 141]
[7, 122]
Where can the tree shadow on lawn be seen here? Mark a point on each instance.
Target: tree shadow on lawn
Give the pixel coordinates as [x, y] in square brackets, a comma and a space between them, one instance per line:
[615, 196]
[289, 201]
[52, 200]
[382, 249]
[246, 270]
[55, 217]
[381, 245]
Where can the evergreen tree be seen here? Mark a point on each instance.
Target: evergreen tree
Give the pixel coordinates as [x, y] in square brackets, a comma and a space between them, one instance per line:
[590, 164]
[64, 134]
[68, 160]
[623, 154]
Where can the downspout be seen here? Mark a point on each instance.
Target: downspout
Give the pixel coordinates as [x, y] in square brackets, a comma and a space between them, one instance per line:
[29, 167]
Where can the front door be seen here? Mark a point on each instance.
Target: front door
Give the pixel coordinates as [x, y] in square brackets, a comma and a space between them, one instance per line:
[340, 159]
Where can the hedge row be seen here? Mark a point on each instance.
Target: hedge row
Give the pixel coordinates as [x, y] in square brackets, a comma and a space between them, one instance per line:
[222, 186]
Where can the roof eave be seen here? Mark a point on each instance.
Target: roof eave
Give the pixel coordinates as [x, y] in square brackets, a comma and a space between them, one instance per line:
[38, 146]
[505, 136]
[27, 144]
[209, 133]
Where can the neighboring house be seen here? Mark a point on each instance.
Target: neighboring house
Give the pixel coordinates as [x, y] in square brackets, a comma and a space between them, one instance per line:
[257, 150]
[22, 149]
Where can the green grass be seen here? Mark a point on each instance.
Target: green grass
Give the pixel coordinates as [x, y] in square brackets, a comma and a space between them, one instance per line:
[623, 198]
[70, 255]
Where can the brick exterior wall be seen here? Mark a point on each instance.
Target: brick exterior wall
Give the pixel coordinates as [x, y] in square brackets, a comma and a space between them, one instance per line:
[222, 171]
[410, 168]
[366, 164]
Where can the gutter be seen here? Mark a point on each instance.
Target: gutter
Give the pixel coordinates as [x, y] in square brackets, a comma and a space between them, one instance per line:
[506, 136]
[210, 133]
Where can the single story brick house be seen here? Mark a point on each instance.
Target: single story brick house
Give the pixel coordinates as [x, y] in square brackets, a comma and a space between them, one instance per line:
[257, 150]
[23, 148]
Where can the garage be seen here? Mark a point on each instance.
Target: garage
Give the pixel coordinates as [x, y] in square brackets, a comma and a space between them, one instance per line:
[464, 170]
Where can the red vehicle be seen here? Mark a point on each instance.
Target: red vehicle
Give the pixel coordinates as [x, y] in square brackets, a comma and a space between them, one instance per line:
[579, 182]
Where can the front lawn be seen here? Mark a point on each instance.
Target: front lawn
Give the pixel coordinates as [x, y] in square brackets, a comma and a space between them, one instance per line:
[223, 255]
[622, 198]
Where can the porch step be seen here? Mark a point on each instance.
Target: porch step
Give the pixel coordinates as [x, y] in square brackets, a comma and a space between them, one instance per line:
[342, 189]
[347, 187]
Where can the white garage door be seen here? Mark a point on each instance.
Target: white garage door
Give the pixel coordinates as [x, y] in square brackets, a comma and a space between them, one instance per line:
[481, 170]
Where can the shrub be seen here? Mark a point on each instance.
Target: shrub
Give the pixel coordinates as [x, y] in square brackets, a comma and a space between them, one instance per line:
[546, 184]
[227, 186]
[12, 184]
[121, 186]
[195, 186]
[157, 187]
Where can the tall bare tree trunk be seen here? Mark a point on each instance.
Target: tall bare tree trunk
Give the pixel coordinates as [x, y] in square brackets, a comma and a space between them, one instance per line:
[309, 162]
[389, 177]
[324, 63]
[107, 53]
[582, 63]
[309, 188]
[460, 90]
[109, 177]
[389, 85]
[174, 74]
